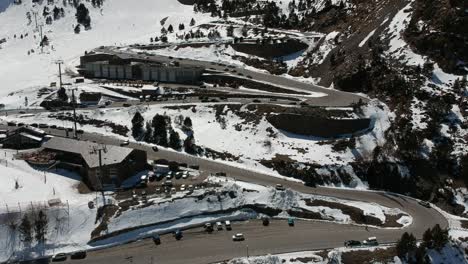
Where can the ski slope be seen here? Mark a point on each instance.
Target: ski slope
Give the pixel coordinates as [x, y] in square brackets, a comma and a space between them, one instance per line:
[117, 22]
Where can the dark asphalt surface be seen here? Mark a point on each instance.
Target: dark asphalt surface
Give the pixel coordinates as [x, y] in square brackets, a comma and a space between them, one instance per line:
[333, 98]
[199, 247]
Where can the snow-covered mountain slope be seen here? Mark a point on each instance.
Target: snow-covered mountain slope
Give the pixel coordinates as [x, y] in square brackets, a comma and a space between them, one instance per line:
[116, 22]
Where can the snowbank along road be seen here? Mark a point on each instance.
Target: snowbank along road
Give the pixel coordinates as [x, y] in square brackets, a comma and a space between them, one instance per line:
[201, 247]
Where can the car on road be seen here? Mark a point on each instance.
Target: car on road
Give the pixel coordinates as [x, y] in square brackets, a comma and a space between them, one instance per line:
[21, 124]
[43, 126]
[227, 223]
[352, 243]
[238, 237]
[371, 241]
[78, 255]
[279, 187]
[53, 126]
[178, 234]
[125, 143]
[208, 227]
[59, 257]
[425, 204]
[155, 149]
[249, 76]
[183, 188]
[265, 221]
[11, 124]
[157, 239]
[168, 183]
[126, 105]
[291, 221]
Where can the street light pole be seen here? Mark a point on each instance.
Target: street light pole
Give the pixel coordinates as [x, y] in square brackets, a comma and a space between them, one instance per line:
[74, 112]
[60, 62]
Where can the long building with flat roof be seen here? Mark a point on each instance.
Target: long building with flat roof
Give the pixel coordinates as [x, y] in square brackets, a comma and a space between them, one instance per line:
[114, 67]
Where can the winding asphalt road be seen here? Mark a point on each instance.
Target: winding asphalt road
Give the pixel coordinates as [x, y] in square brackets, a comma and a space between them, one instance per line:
[331, 97]
[198, 247]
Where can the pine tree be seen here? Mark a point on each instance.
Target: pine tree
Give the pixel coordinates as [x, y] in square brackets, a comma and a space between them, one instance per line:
[82, 16]
[439, 236]
[160, 130]
[189, 145]
[25, 230]
[405, 245]
[62, 95]
[148, 133]
[174, 140]
[137, 125]
[188, 122]
[77, 29]
[427, 239]
[40, 227]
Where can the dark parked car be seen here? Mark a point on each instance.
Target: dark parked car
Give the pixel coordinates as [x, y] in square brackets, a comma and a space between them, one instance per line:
[59, 257]
[291, 221]
[155, 149]
[78, 255]
[265, 221]
[178, 234]
[157, 239]
[352, 243]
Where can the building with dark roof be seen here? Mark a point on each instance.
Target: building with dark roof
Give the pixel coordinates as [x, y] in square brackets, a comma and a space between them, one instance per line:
[118, 163]
[23, 138]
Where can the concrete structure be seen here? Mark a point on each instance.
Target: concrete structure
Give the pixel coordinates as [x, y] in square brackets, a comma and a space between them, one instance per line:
[118, 164]
[113, 67]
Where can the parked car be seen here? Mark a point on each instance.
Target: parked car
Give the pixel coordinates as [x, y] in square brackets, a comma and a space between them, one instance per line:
[59, 257]
[352, 243]
[219, 226]
[78, 255]
[43, 126]
[157, 239]
[91, 205]
[126, 105]
[168, 183]
[208, 227]
[291, 221]
[227, 223]
[425, 204]
[183, 188]
[155, 149]
[265, 221]
[11, 124]
[125, 143]
[238, 237]
[279, 187]
[371, 241]
[178, 234]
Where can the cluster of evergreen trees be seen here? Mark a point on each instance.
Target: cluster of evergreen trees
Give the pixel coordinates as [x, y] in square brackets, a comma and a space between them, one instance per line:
[34, 230]
[407, 248]
[159, 131]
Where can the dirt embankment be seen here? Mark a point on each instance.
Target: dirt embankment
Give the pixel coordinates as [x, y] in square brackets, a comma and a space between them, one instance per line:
[318, 126]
